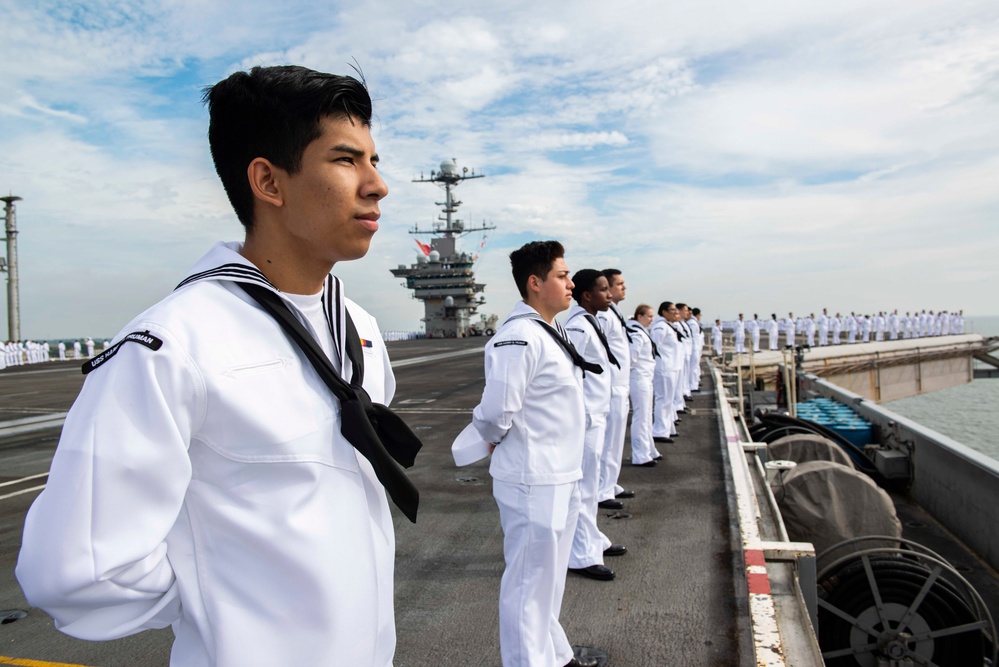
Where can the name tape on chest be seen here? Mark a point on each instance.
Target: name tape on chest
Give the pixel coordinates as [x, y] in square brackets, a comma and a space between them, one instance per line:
[510, 342]
[141, 337]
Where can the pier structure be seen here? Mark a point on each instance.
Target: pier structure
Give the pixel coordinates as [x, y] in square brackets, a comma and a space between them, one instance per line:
[880, 371]
[9, 266]
[442, 277]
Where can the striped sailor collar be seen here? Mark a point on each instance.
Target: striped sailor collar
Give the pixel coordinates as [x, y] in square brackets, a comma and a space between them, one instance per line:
[224, 263]
[523, 311]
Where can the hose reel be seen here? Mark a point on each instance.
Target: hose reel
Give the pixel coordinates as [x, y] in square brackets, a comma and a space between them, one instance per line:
[896, 607]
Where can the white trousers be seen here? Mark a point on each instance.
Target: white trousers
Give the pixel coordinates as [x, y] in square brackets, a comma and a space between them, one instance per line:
[823, 337]
[663, 412]
[678, 391]
[643, 449]
[774, 340]
[740, 342]
[695, 370]
[610, 459]
[538, 524]
[756, 341]
[588, 543]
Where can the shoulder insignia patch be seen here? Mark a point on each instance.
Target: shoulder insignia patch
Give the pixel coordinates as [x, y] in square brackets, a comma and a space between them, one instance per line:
[510, 342]
[141, 337]
[365, 342]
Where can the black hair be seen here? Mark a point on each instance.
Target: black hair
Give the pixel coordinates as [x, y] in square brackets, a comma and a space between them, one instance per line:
[274, 113]
[584, 281]
[534, 259]
[609, 274]
[695, 311]
[664, 307]
[681, 306]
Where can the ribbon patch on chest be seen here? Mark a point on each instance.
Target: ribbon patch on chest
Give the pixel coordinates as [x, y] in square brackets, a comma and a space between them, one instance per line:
[140, 337]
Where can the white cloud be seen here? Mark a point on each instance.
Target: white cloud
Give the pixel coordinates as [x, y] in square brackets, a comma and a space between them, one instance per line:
[746, 156]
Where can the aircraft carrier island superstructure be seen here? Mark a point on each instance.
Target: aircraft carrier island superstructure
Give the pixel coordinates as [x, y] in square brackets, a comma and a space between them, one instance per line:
[442, 277]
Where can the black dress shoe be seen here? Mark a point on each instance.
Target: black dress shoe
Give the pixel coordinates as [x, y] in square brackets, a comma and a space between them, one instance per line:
[626, 493]
[598, 572]
[583, 661]
[677, 421]
[658, 458]
[647, 464]
[610, 505]
[657, 439]
[616, 550]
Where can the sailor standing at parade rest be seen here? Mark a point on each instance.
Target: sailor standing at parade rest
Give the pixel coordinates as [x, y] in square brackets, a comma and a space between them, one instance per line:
[532, 410]
[591, 292]
[823, 328]
[773, 331]
[62, 351]
[717, 336]
[810, 329]
[837, 327]
[615, 329]
[643, 369]
[686, 345]
[667, 372]
[789, 329]
[754, 331]
[202, 480]
[694, 324]
[739, 327]
[893, 325]
[853, 328]
[865, 328]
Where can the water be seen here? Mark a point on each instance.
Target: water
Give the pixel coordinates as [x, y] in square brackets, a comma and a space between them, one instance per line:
[968, 413]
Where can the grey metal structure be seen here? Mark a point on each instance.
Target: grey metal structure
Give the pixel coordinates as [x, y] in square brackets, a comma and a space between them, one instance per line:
[10, 266]
[442, 277]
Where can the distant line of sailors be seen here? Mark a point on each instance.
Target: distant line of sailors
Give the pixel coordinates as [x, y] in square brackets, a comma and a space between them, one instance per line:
[20, 352]
[858, 328]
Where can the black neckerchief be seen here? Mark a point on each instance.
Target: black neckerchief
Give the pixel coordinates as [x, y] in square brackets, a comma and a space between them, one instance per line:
[379, 434]
[558, 334]
[638, 328]
[620, 318]
[603, 339]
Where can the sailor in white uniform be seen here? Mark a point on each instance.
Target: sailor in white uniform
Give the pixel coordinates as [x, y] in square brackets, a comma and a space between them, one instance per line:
[790, 329]
[533, 411]
[591, 292]
[694, 324]
[865, 328]
[823, 323]
[62, 351]
[837, 327]
[643, 368]
[773, 331]
[893, 325]
[615, 328]
[879, 326]
[225, 490]
[754, 331]
[717, 336]
[810, 329]
[739, 327]
[668, 344]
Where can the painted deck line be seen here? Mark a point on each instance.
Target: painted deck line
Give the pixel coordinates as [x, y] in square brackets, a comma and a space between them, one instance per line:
[25, 479]
[25, 662]
[432, 357]
[23, 491]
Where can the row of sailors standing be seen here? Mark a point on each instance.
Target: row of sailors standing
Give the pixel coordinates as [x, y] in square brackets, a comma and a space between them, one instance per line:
[19, 353]
[554, 410]
[857, 327]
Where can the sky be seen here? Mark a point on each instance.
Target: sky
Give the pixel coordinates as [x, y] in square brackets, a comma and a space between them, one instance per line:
[761, 157]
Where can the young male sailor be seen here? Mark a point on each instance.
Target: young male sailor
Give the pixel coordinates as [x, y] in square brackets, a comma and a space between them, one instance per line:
[532, 411]
[717, 336]
[591, 292]
[615, 328]
[754, 331]
[204, 478]
[643, 368]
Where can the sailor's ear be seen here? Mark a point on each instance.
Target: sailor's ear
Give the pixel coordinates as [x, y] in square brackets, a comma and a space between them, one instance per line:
[265, 181]
[533, 283]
